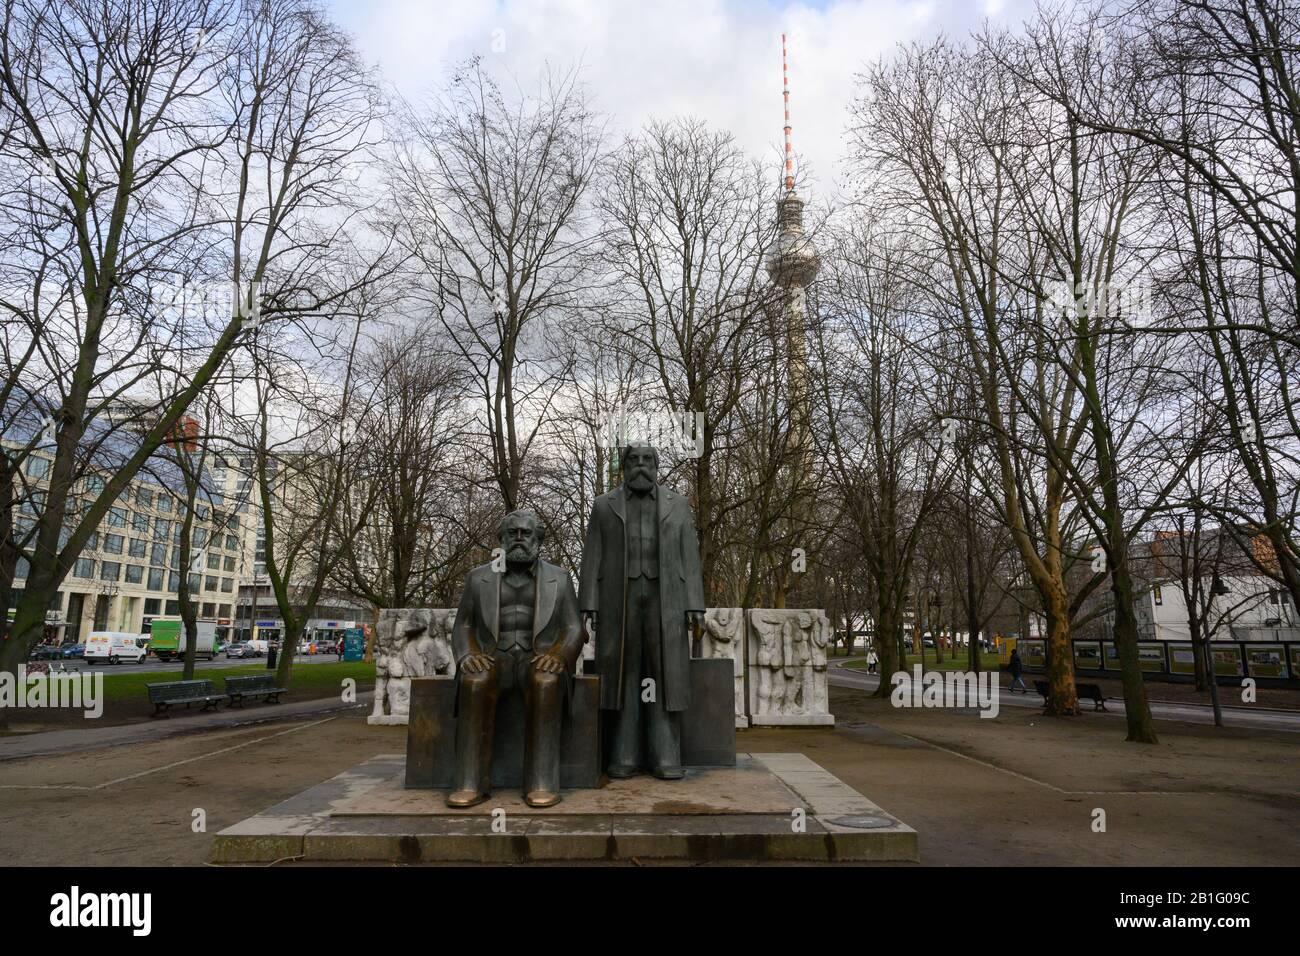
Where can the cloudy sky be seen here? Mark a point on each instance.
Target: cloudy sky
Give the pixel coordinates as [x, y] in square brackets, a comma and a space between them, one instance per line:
[719, 60]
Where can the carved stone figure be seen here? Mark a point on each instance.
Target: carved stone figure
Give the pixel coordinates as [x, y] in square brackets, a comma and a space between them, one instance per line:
[392, 697]
[442, 622]
[787, 666]
[408, 643]
[797, 658]
[642, 591]
[767, 675]
[821, 639]
[428, 654]
[517, 631]
[724, 636]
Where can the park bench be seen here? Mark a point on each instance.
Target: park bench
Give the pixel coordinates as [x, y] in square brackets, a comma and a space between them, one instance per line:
[237, 688]
[1090, 692]
[186, 692]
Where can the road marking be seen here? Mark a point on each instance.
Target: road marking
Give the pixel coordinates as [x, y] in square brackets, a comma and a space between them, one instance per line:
[176, 763]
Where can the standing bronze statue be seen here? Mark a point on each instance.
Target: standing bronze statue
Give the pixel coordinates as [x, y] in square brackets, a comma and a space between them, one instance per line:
[517, 631]
[642, 591]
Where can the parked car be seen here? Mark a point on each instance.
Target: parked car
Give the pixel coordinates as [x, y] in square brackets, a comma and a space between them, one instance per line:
[44, 652]
[74, 651]
[238, 649]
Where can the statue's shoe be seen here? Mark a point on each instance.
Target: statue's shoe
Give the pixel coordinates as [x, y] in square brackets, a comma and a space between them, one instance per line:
[669, 773]
[620, 771]
[541, 798]
[465, 798]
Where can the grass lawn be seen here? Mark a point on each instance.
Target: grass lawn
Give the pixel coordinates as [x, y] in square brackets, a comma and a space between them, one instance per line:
[310, 680]
[988, 662]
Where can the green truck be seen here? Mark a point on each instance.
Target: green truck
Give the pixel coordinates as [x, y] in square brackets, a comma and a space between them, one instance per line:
[167, 639]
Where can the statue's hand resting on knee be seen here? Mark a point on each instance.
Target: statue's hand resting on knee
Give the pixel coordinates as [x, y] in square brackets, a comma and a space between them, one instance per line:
[550, 663]
[477, 663]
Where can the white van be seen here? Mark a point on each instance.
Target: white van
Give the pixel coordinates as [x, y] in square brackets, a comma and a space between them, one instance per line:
[115, 647]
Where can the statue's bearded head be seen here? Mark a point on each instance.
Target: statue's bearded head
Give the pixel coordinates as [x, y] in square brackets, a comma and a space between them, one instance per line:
[640, 467]
[521, 535]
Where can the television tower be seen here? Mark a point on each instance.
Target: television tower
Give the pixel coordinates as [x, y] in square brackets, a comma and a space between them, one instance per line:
[792, 265]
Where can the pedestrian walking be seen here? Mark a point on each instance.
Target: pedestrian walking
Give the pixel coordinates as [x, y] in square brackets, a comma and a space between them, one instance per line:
[872, 661]
[1016, 669]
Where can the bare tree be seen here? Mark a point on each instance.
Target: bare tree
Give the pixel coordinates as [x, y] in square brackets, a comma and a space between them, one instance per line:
[689, 229]
[942, 123]
[148, 132]
[304, 450]
[412, 477]
[489, 195]
[880, 426]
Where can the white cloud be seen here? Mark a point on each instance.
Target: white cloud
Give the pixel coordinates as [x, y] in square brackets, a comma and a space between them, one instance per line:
[716, 59]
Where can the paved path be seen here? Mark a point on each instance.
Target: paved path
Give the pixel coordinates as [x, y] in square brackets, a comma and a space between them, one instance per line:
[1257, 718]
[88, 738]
[94, 738]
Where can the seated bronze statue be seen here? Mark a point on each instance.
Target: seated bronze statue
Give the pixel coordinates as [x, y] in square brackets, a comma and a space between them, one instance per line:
[517, 631]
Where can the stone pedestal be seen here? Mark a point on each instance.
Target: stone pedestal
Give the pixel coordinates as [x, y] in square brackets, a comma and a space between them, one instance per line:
[745, 812]
[709, 726]
[431, 737]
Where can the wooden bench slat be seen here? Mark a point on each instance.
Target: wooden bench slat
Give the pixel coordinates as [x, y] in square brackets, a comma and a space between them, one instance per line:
[237, 688]
[187, 692]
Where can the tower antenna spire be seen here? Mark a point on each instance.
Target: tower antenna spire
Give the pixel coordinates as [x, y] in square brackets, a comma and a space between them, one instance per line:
[785, 94]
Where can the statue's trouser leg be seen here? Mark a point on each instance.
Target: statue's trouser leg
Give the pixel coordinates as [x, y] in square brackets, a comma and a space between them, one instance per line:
[663, 727]
[643, 653]
[542, 717]
[626, 749]
[474, 729]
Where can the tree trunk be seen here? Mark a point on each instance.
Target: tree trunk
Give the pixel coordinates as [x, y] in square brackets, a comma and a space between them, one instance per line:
[1136, 711]
[1063, 698]
[288, 647]
[190, 621]
[1208, 665]
[184, 596]
[889, 636]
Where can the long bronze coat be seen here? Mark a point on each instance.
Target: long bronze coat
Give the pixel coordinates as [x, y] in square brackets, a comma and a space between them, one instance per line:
[602, 587]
